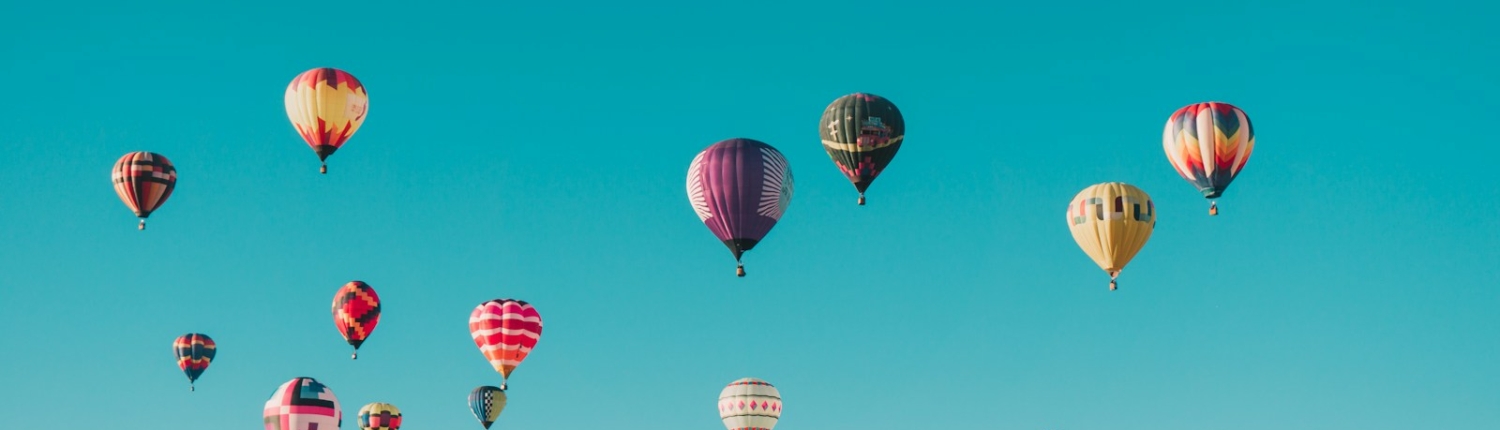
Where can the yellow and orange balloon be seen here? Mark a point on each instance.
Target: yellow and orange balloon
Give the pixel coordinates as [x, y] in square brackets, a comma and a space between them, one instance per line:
[327, 106]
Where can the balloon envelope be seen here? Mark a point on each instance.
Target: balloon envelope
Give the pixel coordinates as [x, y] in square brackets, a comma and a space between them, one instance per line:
[739, 188]
[326, 106]
[356, 311]
[379, 416]
[194, 352]
[144, 181]
[303, 404]
[1208, 144]
[505, 330]
[750, 404]
[1111, 222]
[861, 133]
[486, 403]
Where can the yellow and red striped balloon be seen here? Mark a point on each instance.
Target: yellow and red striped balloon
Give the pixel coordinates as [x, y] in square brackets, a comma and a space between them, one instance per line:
[327, 106]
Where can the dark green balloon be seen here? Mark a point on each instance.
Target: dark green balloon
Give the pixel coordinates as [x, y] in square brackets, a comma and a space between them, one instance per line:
[862, 133]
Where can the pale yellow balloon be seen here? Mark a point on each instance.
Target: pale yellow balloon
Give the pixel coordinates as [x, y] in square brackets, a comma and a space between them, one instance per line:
[1111, 222]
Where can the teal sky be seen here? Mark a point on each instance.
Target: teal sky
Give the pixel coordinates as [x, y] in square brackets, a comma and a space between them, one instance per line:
[538, 150]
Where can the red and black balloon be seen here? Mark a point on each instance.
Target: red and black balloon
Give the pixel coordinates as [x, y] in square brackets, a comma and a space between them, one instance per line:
[356, 311]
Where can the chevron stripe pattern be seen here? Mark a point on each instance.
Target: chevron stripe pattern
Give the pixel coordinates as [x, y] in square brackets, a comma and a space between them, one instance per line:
[1208, 144]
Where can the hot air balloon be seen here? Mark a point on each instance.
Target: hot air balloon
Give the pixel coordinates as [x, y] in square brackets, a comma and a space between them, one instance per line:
[862, 133]
[327, 106]
[750, 404]
[505, 330]
[1208, 144]
[194, 352]
[144, 181]
[356, 311]
[303, 404]
[739, 189]
[1111, 222]
[486, 402]
[379, 416]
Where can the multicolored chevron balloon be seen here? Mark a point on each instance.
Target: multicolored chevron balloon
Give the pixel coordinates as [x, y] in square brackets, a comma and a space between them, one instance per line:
[1208, 144]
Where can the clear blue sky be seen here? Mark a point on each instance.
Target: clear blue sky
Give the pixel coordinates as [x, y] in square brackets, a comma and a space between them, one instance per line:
[538, 150]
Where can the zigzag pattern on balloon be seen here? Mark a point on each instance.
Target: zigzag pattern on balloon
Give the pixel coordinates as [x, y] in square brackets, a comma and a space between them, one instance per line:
[1208, 144]
[356, 312]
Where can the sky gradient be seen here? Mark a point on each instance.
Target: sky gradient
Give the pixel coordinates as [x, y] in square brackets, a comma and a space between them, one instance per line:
[538, 150]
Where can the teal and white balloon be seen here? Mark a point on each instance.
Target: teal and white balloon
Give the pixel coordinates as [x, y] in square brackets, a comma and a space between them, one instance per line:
[750, 404]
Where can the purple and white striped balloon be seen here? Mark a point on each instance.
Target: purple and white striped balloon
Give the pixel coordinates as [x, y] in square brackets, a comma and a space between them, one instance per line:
[739, 188]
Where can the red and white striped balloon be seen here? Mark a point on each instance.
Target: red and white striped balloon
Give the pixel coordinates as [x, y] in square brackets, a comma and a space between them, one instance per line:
[505, 330]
